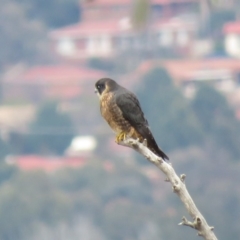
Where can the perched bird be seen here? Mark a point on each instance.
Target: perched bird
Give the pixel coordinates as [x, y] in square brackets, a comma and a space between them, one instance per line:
[122, 111]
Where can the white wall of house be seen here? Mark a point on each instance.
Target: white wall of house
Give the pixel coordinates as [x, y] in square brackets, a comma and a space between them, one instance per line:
[232, 45]
[66, 47]
[98, 46]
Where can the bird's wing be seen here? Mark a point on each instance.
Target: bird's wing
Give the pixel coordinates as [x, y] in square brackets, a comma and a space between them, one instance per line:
[130, 108]
[132, 112]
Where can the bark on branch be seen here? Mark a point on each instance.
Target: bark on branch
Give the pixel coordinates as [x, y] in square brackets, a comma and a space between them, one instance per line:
[178, 185]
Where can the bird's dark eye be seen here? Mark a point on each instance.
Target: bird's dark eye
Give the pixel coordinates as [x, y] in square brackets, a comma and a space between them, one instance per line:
[100, 88]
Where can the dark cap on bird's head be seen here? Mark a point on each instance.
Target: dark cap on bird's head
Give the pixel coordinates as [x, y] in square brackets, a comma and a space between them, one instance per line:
[105, 84]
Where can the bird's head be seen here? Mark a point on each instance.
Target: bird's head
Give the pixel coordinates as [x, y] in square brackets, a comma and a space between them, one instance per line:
[104, 85]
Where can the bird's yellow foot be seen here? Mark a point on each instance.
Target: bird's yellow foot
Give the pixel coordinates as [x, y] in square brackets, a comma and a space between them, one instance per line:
[120, 137]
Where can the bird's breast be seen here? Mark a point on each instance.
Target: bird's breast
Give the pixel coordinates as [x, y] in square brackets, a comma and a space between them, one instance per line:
[113, 114]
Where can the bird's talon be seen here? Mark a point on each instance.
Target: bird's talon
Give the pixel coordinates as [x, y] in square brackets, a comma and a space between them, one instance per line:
[120, 137]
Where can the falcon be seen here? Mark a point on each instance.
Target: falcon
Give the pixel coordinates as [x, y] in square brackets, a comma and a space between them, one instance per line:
[122, 111]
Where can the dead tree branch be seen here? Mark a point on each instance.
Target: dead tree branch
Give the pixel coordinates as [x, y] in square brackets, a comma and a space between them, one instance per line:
[178, 185]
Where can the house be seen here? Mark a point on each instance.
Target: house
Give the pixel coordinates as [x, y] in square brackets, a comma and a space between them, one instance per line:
[61, 82]
[106, 30]
[97, 10]
[231, 32]
[222, 73]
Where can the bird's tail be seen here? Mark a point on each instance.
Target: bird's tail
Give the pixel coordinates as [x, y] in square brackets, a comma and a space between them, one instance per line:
[159, 152]
[151, 143]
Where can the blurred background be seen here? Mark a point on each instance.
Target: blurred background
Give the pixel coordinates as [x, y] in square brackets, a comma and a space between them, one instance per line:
[61, 174]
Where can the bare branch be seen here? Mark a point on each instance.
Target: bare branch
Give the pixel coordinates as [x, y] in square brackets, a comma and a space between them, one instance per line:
[178, 185]
[186, 223]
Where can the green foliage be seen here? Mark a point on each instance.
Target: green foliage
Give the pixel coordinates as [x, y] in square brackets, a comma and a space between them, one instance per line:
[217, 120]
[101, 64]
[51, 132]
[219, 18]
[24, 27]
[170, 116]
[4, 149]
[30, 199]
[6, 172]
[216, 23]
[140, 13]
[17, 143]
[209, 105]
[207, 120]
[23, 198]
[21, 39]
[95, 203]
[54, 13]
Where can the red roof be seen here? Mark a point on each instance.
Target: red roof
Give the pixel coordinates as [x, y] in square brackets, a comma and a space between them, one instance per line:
[124, 2]
[90, 28]
[231, 27]
[174, 24]
[61, 72]
[106, 2]
[184, 69]
[34, 162]
[114, 27]
[63, 81]
[181, 70]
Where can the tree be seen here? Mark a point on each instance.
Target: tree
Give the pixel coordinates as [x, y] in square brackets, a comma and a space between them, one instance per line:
[6, 172]
[171, 117]
[28, 199]
[101, 64]
[217, 120]
[21, 39]
[51, 132]
[53, 13]
[4, 149]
